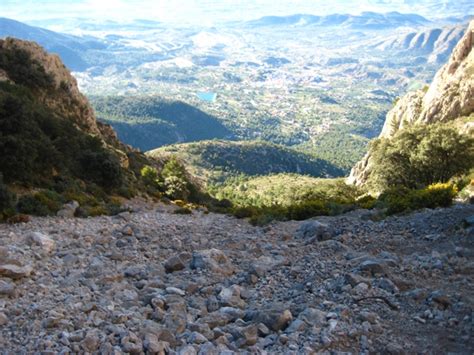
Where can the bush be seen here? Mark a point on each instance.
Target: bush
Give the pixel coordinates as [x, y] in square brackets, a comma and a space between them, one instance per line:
[7, 198]
[174, 180]
[150, 176]
[102, 168]
[419, 156]
[30, 205]
[183, 210]
[307, 209]
[397, 200]
[51, 200]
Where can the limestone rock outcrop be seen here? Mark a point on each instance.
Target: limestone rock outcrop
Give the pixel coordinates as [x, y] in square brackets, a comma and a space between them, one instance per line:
[450, 96]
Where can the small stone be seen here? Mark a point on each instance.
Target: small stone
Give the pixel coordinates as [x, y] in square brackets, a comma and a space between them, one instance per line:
[230, 297]
[297, 325]
[441, 299]
[394, 349]
[154, 346]
[250, 334]
[91, 342]
[372, 267]
[263, 330]
[419, 320]
[212, 259]
[314, 230]
[132, 344]
[175, 291]
[197, 338]
[14, 271]
[275, 319]
[127, 230]
[313, 317]
[7, 288]
[45, 242]
[3, 319]
[187, 350]
[175, 263]
[212, 304]
[50, 322]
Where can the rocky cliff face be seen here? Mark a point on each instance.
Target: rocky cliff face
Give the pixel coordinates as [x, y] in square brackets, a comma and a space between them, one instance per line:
[450, 95]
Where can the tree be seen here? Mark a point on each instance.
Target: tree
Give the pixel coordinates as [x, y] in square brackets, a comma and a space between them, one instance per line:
[175, 181]
[419, 156]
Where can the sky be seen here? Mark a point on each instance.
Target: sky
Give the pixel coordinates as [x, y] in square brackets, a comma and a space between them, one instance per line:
[209, 11]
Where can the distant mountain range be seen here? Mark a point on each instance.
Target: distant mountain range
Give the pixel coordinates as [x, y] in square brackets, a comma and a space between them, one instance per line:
[70, 48]
[366, 20]
[437, 43]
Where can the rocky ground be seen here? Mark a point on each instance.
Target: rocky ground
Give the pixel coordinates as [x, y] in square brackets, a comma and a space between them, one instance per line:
[160, 283]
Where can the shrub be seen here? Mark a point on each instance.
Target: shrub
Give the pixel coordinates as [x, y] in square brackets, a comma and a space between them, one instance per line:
[174, 180]
[183, 210]
[307, 210]
[102, 168]
[419, 156]
[7, 198]
[30, 205]
[367, 202]
[150, 176]
[397, 200]
[51, 200]
[96, 211]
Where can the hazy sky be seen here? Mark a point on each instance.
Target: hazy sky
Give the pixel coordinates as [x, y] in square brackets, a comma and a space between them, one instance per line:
[207, 11]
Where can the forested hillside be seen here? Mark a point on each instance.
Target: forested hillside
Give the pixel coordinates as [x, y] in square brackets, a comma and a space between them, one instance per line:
[148, 122]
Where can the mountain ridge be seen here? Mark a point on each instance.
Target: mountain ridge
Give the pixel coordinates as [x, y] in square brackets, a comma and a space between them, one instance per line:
[366, 20]
[69, 47]
[450, 96]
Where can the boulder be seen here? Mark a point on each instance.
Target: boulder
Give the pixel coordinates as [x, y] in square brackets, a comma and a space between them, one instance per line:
[45, 242]
[175, 263]
[14, 271]
[213, 260]
[68, 210]
[314, 230]
[7, 288]
[274, 318]
[230, 297]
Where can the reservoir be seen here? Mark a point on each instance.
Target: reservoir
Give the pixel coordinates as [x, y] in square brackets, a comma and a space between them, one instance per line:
[207, 96]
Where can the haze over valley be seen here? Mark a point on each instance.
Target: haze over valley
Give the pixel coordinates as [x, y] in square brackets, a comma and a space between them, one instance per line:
[317, 83]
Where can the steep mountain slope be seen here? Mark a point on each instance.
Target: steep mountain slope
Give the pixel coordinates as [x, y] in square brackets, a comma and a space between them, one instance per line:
[450, 96]
[48, 129]
[153, 282]
[70, 48]
[217, 160]
[436, 43]
[148, 122]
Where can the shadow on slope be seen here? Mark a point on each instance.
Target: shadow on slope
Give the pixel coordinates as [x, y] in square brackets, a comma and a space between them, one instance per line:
[150, 122]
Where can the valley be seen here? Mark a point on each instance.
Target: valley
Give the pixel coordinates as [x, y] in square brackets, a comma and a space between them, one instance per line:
[325, 95]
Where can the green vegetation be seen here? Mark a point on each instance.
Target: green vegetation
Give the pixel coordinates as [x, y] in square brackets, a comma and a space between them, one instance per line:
[148, 122]
[216, 161]
[172, 181]
[396, 200]
[419, 156]
[22, 69]
[341, 148]
[7, 201]
[286, 197]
